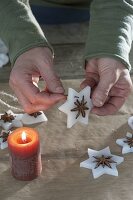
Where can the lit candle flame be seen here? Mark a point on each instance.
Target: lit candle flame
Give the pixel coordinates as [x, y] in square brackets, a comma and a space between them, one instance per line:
[23, 136]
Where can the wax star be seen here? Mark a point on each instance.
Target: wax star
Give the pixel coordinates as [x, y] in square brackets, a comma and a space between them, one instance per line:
[3, 138]
[126, 143]
[77, 106]
[9, 120]
[102, 162]
[33, 118]
[130, 122]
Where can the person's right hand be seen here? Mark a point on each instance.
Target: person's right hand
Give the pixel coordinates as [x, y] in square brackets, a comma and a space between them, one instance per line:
[110, 82]
[26, 71]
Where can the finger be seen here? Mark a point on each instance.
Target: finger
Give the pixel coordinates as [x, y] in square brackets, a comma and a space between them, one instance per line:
[111, 107]
[102, 90]
[91, 66]
[34, 95]
[52, 81]
[21, 99]
[28, 106]
[119, 92]
[91, 74]
[91, 80]
[50, 98]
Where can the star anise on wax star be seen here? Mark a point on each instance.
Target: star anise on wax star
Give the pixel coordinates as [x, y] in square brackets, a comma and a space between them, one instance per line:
[9, 120]
[35, 114]
[4, 135]
[7, 117]
[104, 161]
[3, 138]
[33, 118]
[80, 107]
[126, 143]
[129, 141]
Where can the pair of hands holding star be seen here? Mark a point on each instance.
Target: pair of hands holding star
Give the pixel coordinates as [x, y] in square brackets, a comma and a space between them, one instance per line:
[109, 79]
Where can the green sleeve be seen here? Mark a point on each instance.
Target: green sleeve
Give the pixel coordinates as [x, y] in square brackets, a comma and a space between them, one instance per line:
[19, 29]
[110, 31]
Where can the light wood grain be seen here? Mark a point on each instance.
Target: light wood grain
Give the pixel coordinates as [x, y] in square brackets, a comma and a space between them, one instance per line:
[62, 151]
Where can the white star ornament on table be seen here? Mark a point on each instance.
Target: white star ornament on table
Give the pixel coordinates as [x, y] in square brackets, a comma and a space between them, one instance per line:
[77, 107]
[9, 120]
[3, 138]
[126, 143]
[33, 118]
[102, 162]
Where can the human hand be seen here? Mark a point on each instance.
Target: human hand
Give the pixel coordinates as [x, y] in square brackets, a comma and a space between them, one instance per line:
[24, 77]
[111, 84]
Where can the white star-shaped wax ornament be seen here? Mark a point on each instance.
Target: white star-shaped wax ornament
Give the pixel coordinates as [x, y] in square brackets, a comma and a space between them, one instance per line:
[37, 117]
[3, 138]
[130, 122]
[75, 100]
[126, 143]
[99, 170]
[15, 122]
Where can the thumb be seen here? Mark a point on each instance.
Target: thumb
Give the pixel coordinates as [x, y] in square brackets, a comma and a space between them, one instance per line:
[53, 82]
[101, 92]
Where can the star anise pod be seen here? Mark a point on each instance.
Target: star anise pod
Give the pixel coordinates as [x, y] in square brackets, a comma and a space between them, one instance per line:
[104, 161]
[7, 117]
[35, 114]
[80, 107]
[129, 141]
[4, 135]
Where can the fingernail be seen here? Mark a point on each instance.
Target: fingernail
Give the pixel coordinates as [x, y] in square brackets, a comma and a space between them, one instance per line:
[59, 90]
[97, 102]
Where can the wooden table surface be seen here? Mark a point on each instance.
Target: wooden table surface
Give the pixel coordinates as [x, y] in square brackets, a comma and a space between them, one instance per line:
[62, 151]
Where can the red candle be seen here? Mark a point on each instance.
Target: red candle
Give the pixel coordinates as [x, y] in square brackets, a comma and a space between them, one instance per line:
[25, 157]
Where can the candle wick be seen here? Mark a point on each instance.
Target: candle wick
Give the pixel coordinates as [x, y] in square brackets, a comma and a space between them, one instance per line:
[24, 140]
